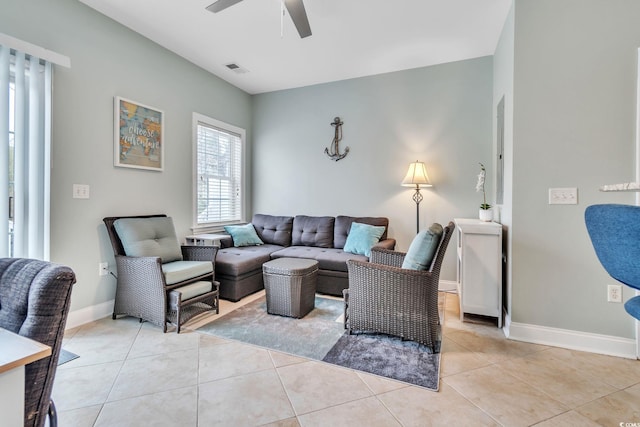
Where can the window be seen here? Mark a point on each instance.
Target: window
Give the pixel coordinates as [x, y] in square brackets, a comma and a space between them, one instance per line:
[25, 100]
[219, 173]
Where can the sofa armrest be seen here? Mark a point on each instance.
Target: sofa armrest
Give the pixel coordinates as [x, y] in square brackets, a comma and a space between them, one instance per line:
[386, 257]
[199, 253]
[386, 244]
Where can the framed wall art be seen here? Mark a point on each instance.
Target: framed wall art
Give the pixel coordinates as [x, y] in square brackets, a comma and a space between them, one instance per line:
[138, 135]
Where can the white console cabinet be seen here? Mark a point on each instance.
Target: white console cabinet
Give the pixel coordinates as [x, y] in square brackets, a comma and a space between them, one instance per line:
[479, 269]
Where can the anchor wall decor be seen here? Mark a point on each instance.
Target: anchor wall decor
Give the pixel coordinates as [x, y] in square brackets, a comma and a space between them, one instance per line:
[334, 154]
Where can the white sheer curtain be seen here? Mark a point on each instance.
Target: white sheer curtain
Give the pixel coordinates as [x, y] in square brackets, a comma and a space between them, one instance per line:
[25, 157]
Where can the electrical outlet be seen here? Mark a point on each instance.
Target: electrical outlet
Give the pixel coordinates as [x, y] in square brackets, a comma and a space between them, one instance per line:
[563, 196]
[103, 268]
[614, 293]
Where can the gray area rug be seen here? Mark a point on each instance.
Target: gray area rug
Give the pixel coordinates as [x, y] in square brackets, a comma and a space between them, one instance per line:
[318, 336]
[389, 357]
[311, 337]
[66, 356]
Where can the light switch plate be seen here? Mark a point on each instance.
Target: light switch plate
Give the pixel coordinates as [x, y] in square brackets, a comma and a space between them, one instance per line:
[80, 191]
[563, 196]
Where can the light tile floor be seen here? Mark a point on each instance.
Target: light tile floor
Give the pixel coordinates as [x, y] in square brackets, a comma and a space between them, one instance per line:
[131, 374]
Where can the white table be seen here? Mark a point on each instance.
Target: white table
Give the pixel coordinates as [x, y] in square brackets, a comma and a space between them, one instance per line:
[479, 267]
[15, 352]
[625, 186]
[202, 239]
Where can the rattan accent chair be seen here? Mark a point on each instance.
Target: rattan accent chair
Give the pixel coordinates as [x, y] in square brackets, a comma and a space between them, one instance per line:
[143, 290]
[384, 298]
[34, 302]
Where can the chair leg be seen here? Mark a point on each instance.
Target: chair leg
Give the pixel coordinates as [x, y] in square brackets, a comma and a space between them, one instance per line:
[53, 414]
[178, 320]
[345, 318]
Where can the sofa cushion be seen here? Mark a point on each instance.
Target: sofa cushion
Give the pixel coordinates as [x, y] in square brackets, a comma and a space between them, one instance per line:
[275, 230]
[238, 261]
[328, 258]
[313, 231]
[362, 237]
[145, 237]
[177, 271]
[422, 248]
[243, 235]
[343, 226]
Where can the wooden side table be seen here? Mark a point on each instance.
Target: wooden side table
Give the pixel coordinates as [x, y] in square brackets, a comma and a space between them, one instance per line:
[17, 351]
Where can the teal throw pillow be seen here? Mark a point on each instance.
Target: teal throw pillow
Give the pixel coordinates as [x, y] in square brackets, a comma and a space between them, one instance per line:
[362, 237]
[243, 235]
[422, 249]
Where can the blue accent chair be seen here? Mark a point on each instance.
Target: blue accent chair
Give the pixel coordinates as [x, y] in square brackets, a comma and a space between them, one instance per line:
[615, 234]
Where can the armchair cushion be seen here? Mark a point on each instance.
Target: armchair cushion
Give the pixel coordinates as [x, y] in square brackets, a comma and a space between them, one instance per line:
[362, 237]
[194, 290]
[243, 235]
[178, 271]
[143, 237]
[422, 248]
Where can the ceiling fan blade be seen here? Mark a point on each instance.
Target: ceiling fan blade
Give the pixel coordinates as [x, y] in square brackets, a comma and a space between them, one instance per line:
[298, 16]
[221, 5]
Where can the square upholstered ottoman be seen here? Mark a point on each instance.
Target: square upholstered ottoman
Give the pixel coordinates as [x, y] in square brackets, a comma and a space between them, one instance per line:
[290, 286]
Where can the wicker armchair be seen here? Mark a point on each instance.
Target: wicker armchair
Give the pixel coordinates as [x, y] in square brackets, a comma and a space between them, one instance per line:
[385, 298]
[34, 302]
[143, 290]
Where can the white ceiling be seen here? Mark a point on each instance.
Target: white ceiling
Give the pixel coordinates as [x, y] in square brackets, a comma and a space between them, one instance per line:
[351, 38]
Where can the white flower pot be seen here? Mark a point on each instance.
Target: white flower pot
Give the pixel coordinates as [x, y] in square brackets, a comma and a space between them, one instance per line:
[485, 215]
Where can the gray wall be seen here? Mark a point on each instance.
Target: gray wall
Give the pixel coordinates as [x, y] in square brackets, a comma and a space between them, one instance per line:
[574, 126]
[440, 115]
[108, 60]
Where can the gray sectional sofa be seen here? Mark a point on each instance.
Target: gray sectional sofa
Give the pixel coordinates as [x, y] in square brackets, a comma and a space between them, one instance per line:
[239, 269]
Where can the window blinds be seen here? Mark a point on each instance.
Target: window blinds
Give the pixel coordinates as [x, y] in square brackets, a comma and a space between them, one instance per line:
[219, 172]
[25, 140]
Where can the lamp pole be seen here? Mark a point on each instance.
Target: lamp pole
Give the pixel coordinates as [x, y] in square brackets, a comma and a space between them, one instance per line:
[417, 197]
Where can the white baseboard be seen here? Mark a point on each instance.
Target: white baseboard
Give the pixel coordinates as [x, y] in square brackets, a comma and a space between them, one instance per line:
[447, 286]
[573, 340]
[89, 314]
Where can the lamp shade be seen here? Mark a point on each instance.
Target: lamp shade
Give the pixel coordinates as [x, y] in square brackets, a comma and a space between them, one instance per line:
[416, 176]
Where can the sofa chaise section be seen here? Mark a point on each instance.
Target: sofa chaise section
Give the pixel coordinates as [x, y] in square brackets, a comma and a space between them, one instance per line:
[239, 269]
[322, 238]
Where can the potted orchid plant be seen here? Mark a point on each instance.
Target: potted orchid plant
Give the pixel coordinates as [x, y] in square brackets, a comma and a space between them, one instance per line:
[485, 213]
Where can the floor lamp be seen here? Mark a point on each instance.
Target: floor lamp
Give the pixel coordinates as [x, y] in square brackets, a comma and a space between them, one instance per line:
[417, 177]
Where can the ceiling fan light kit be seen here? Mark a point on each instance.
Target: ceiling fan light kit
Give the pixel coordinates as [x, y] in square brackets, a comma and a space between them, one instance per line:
[295, 8]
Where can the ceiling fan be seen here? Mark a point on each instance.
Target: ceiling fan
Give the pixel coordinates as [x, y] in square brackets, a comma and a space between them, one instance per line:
[294, 7]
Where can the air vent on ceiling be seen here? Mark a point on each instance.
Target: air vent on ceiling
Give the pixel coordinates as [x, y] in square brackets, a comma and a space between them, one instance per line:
[236, 68]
